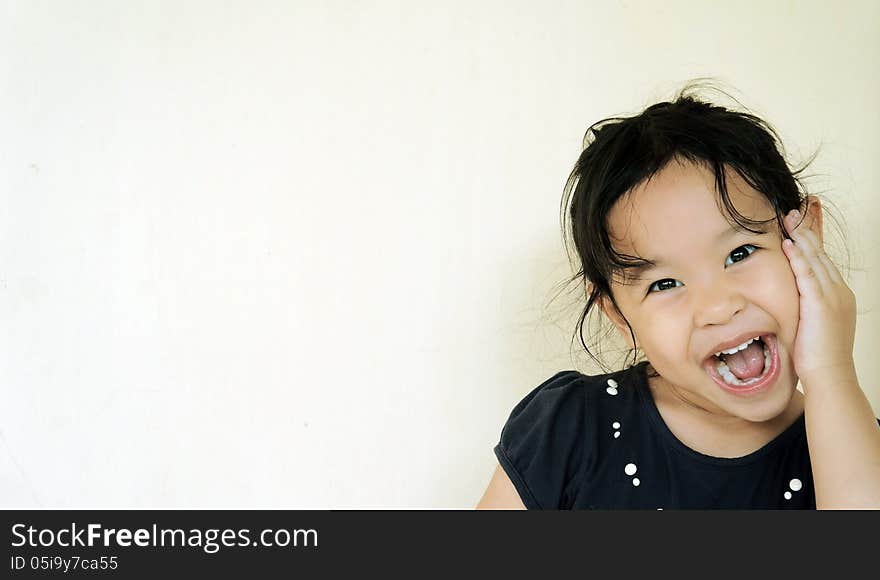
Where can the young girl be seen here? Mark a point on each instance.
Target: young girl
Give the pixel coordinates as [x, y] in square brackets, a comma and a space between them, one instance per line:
[696, 242]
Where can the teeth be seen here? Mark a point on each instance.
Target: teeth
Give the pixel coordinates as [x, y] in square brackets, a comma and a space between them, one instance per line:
[731, 379]
[737, 348]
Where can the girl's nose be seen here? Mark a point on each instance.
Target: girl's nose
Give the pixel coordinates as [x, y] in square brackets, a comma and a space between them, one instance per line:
[717, 305]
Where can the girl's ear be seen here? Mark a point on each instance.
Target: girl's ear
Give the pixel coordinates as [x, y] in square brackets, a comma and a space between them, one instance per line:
[609, 310]
[813, 216]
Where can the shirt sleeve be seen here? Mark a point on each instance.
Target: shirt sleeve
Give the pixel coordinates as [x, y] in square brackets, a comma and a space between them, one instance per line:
[542, 444]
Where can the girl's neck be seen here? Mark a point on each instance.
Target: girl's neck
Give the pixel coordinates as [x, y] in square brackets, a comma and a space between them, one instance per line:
[711, 414]
[711, 433]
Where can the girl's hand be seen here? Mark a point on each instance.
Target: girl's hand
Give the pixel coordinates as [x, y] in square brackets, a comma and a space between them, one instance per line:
[826, 330]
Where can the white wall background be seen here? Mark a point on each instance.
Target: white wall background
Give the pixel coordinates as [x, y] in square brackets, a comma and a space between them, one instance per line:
[301, 254]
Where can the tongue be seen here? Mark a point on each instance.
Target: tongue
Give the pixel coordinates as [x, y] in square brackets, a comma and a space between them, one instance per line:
[747, 363]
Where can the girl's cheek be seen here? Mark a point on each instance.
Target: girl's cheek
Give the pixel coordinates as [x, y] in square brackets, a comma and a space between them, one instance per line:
[777, 291]
[776, 279]
[782, 270]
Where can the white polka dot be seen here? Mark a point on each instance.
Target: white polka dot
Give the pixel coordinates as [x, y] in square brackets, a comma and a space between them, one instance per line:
[611, 391]
[616, 434]
[612, 383]
[615, 425]
[795, 484]
[787, 495]
[630, 468]
[636, 481]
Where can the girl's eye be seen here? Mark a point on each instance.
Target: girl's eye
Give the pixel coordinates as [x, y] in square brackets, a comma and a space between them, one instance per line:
[737, 252]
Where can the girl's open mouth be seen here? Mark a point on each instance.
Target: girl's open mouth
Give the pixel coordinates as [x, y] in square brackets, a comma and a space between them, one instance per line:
[724, 378]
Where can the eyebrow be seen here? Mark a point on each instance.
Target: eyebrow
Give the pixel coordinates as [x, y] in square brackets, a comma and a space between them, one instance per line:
[647, 264]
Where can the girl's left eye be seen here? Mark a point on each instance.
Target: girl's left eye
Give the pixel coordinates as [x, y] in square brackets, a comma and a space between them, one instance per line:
[737, 252]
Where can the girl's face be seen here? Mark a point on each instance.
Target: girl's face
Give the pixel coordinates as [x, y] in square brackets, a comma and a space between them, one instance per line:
[711, 284]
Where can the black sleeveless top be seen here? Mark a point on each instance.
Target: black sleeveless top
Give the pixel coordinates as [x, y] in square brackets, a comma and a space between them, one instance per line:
[599, 442]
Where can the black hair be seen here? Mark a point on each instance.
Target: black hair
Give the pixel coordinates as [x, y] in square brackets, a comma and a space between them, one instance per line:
[621, 153]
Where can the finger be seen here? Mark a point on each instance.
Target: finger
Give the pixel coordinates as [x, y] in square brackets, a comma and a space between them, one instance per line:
[830, 270]
[805, 277]
[814, 251]
[807, 282]
[809, 264]
[834, 272]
